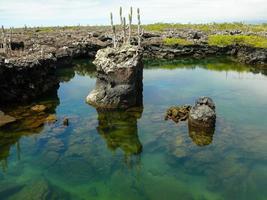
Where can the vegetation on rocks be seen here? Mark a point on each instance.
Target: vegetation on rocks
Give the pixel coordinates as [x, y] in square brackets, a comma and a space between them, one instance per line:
[246, 40]
[208, 27]
[176, 41]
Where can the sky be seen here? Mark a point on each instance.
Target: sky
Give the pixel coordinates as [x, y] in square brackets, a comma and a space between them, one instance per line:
[96, 12]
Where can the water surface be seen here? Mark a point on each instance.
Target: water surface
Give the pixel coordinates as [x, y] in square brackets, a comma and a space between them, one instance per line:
[137, 154]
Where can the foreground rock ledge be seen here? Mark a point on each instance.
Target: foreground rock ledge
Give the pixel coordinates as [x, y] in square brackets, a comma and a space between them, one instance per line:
[119, 78]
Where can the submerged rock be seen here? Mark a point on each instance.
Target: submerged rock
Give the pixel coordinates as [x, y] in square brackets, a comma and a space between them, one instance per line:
[38, 108]
[119, 78]
[5, 119]
[178, 113]
[40, 189]
[66, 122]
[201, 119]
[52, 118]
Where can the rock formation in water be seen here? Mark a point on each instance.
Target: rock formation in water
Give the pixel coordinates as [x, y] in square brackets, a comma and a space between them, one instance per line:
[23, 80]
[203, 113]
[119, 78]
[201, 119]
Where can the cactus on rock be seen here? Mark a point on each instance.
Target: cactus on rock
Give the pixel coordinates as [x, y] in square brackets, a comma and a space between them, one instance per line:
[124, 28]
[113, 31]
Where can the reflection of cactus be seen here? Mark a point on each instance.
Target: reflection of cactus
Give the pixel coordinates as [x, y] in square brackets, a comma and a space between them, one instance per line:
[4, 40]
[113, 30]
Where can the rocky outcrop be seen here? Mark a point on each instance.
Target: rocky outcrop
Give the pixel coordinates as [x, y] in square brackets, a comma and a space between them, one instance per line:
[154, 47]
[119, 78]
[203, 113]
[201, 119]
[252, 56]
[24, 80]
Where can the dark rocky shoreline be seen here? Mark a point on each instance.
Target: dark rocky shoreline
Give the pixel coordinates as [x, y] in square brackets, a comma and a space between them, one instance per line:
[27, 74]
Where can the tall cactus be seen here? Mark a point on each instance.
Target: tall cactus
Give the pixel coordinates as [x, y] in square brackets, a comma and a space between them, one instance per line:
[121, 18]
[10, 40]
[113, 31]
[139, 27]
[130, 24]
[124, 31]
[4, 40]
[11, 35]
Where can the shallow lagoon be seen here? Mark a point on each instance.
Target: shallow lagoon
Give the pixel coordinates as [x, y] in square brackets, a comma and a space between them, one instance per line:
[137, 154]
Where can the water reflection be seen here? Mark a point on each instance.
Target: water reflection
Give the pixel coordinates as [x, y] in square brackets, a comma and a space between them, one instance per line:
[28, 122]
[201, 136]
[119, 129]
[220, 64]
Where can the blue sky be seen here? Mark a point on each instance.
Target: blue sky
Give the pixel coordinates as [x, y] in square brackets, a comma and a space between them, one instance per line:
[96, 12]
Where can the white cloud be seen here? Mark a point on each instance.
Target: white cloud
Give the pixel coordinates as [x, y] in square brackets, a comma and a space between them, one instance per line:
[57, 12]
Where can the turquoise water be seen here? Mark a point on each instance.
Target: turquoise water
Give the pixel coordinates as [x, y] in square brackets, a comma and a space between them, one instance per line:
[137, 154]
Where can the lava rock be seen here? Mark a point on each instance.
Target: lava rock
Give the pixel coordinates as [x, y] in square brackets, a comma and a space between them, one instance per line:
[203, 113]
[119, 78]
[178, 113]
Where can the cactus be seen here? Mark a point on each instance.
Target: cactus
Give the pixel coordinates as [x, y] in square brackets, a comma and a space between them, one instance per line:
[124, 30]
[113, 30]
[139, 27]
[10, 40]
[121, 18]
[4, 40]
[131, 12]
[130, 25]
[11, 35]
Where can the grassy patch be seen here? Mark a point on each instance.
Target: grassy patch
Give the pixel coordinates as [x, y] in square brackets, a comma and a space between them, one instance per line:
[245, 40]
[176, 41]
[208, 27]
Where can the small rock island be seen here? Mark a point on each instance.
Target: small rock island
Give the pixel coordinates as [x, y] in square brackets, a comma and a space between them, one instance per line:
[119, 78]
[201, 119]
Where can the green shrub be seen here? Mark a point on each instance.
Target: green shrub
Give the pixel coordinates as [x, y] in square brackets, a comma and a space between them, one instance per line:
[208, 27]
[245, 40]
[176, 41]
